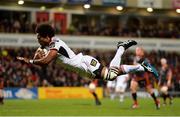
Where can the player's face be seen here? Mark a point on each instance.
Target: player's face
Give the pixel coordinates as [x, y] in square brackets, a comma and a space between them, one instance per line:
[43, 41]
[163, 61]
[139, 52]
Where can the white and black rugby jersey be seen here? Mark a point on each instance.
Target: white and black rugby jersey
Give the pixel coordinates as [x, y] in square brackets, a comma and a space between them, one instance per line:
[85, 62]
[61, 47]
[64, 52]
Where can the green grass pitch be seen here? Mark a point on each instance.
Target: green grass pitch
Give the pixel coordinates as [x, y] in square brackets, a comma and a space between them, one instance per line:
[85, 107]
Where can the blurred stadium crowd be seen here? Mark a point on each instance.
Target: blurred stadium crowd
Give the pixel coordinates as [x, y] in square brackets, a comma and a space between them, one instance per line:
[19, 22]
[19, 74]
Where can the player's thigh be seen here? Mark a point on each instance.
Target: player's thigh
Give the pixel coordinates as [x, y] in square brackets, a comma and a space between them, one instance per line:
[148, 85]
[91, 62]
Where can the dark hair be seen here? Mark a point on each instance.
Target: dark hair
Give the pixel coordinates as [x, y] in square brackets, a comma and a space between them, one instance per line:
[45, 30]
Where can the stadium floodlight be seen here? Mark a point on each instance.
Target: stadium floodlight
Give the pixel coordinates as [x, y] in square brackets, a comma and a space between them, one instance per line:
[177, 10]
[119, 8]
[149, 9]
[21, 2]
[43, 8]
[60, 8]
[87, 6]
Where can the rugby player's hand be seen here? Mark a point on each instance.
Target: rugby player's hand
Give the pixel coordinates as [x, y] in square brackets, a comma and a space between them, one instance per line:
[23, 59]
[40, 53]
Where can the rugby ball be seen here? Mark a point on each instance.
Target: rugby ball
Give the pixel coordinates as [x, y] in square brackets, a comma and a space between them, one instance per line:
[40, 53]
[92, 86]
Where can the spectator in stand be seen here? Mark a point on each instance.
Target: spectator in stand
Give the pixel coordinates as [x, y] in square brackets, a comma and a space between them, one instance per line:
[16, 26]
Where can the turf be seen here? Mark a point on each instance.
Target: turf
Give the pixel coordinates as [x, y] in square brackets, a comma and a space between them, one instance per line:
[85, 107]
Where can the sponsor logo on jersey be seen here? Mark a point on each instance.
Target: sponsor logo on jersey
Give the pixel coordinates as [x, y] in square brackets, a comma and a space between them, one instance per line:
[93, 62]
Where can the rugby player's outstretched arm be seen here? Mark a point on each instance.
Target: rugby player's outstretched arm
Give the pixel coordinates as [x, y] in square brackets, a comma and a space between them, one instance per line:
[43, 61]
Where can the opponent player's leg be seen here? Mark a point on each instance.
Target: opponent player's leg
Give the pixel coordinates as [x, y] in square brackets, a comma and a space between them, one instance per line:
[96, 98]
[164, 99]
[165, 94]
[120, 90]
[97, 101]
[133, 87]
[111, 89]
[169, 96]
[121, 84]
[151, 92]
[92, 89]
